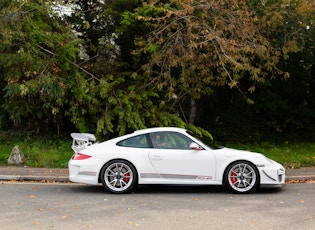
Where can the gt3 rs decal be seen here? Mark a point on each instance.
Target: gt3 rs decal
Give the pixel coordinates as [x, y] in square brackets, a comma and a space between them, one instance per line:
[175, 176]
[204, 178]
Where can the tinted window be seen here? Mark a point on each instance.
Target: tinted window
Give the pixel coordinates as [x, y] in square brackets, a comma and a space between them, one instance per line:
[135, 142]
[170, 140]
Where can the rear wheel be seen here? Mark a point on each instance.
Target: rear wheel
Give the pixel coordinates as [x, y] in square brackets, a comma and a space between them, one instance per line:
[241, 177]
[119, 176]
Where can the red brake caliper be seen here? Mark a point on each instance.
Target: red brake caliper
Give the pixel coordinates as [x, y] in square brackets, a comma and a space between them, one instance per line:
[126, 179]
[233, 177]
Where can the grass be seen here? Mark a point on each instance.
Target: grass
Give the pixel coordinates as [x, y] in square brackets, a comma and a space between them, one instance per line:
[53, 151]
[294, 155]
[39, 150]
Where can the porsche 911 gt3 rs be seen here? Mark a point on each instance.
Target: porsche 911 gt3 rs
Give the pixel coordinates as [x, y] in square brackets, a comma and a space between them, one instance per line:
[171, 156]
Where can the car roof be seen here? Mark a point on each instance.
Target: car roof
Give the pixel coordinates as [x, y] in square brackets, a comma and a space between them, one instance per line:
[144, 131]
[160, 129]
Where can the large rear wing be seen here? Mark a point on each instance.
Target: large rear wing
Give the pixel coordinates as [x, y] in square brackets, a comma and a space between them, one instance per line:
[82, 140]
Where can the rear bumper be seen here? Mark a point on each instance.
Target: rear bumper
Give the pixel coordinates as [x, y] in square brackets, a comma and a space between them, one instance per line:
[82, 174]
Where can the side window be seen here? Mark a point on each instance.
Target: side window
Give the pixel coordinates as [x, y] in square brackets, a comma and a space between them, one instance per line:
[135, 142]
[170, 140]
[182, 141]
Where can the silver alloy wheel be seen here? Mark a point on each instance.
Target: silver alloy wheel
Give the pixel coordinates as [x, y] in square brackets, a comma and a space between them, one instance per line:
[242, 177]
[118, 177]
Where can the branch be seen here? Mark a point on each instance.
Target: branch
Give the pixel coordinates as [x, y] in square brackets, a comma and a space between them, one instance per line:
[73, 63]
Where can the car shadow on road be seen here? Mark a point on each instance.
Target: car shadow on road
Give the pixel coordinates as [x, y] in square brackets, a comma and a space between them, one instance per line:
[168, 189]
[148, 189]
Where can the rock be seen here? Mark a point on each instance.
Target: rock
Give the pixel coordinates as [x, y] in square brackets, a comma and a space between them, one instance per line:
[16, 157]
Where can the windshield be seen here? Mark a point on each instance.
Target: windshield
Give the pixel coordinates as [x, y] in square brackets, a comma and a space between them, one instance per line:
[205, 140]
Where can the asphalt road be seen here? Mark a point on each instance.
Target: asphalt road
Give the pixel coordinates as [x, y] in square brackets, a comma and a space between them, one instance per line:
[74, 206]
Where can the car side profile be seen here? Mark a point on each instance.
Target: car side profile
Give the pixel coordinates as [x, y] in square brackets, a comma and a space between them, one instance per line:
[168, 156]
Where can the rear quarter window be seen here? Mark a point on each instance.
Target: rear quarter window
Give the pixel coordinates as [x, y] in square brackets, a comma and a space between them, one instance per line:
[140, 141]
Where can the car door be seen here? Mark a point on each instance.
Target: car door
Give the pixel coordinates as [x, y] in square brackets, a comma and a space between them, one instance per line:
[175, 162]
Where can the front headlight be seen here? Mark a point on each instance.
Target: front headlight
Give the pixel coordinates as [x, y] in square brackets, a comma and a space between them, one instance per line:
[281, 171]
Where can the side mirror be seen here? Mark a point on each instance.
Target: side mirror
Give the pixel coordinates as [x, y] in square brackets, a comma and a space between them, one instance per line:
[194, 146]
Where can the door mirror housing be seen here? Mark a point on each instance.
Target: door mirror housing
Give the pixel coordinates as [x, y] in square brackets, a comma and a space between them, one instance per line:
[195, 146]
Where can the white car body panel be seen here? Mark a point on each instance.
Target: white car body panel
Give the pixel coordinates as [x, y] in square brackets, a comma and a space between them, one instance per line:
[171, 166]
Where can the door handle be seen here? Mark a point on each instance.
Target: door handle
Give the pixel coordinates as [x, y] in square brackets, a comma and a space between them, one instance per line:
[156, 158]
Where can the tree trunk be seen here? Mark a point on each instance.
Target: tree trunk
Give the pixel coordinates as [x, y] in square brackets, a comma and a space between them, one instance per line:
[193, 111]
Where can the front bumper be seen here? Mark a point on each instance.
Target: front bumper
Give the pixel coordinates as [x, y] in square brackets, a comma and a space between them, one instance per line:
[272, 185]
[272, 177]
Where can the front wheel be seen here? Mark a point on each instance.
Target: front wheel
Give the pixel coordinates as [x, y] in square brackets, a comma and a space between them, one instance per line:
[241, 177]
[119, 176]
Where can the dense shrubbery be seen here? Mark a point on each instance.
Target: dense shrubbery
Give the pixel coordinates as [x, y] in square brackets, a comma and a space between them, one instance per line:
[245, 75]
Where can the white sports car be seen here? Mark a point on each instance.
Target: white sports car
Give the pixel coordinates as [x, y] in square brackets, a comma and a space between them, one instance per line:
[168, 156]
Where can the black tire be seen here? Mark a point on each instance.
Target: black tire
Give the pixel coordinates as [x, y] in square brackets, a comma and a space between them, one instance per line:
[241, 177]
[119, 176]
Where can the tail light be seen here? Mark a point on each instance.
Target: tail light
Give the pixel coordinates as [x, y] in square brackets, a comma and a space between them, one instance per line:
[80, 156]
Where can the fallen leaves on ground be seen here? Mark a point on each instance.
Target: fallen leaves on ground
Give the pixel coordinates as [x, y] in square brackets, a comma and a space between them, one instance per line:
[133, 224]
[300, 181]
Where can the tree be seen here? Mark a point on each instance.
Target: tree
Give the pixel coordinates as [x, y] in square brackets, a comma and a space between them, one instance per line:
[50, 76]
[284, 107]
[37, 51]
[289, 26]
[198, 45]
[115, 100]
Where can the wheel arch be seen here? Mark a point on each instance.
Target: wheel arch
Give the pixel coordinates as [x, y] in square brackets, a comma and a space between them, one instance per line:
[236, 161]
[117, 159]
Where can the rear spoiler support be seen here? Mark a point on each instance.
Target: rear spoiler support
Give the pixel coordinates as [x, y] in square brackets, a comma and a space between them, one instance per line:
[82, 140]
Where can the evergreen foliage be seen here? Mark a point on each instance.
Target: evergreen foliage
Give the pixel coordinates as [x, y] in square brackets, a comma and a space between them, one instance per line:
[242, 70]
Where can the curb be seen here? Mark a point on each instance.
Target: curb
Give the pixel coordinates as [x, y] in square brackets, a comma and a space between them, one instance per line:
[34, 178]
[300, 177]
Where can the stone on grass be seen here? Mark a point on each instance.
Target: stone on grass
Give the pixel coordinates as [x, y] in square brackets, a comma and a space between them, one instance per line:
[16, 157]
